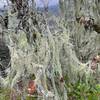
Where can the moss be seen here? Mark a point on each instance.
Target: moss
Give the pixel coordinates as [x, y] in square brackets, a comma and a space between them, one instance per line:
[32, 77]
[4, 94]
[31, 98]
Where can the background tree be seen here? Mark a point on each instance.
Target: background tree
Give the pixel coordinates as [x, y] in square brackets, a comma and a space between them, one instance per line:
[45, 3]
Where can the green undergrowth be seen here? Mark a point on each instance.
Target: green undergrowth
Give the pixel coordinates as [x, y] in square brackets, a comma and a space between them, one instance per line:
[5, 95]
[81, 90]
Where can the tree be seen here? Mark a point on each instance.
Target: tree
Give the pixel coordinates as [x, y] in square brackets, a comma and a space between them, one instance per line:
[62, 7]
[45, 2]
[33, 4]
